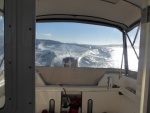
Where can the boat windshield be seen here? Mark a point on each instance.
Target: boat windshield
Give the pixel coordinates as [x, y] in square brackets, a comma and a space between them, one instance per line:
[70, 44]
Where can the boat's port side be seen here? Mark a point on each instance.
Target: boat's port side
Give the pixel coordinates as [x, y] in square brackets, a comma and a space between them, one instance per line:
[109, 92]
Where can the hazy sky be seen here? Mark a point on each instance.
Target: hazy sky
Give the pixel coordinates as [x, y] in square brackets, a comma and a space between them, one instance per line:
[79, 33]
[1, 26]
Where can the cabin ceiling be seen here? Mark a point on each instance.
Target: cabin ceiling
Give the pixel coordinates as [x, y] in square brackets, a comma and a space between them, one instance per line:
[124, 14]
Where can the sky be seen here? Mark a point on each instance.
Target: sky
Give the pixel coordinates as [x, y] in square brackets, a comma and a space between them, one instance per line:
[1, 26]
[78, 33]
[70, 32]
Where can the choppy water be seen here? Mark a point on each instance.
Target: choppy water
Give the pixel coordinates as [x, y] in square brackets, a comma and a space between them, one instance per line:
[51, 53]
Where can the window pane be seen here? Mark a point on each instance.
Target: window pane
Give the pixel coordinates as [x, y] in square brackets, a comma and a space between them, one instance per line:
[2, 78]
[132, 58]
[68, 44]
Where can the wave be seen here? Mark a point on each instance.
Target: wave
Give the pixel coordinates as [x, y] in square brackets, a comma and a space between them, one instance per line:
[108, 56]
[51, 53]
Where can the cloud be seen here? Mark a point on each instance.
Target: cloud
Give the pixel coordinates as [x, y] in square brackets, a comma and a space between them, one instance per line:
[48, 34]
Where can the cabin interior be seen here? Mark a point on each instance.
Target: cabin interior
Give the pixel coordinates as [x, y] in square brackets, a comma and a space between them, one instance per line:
[110, 94]
[70, 87]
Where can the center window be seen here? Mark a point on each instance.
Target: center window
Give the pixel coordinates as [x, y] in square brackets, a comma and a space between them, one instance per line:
[69, 44]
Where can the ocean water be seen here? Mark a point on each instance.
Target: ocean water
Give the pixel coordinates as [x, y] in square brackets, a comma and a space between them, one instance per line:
[51, 53]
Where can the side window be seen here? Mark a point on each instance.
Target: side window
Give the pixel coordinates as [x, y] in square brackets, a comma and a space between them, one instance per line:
[2, 72]
[133, 50]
